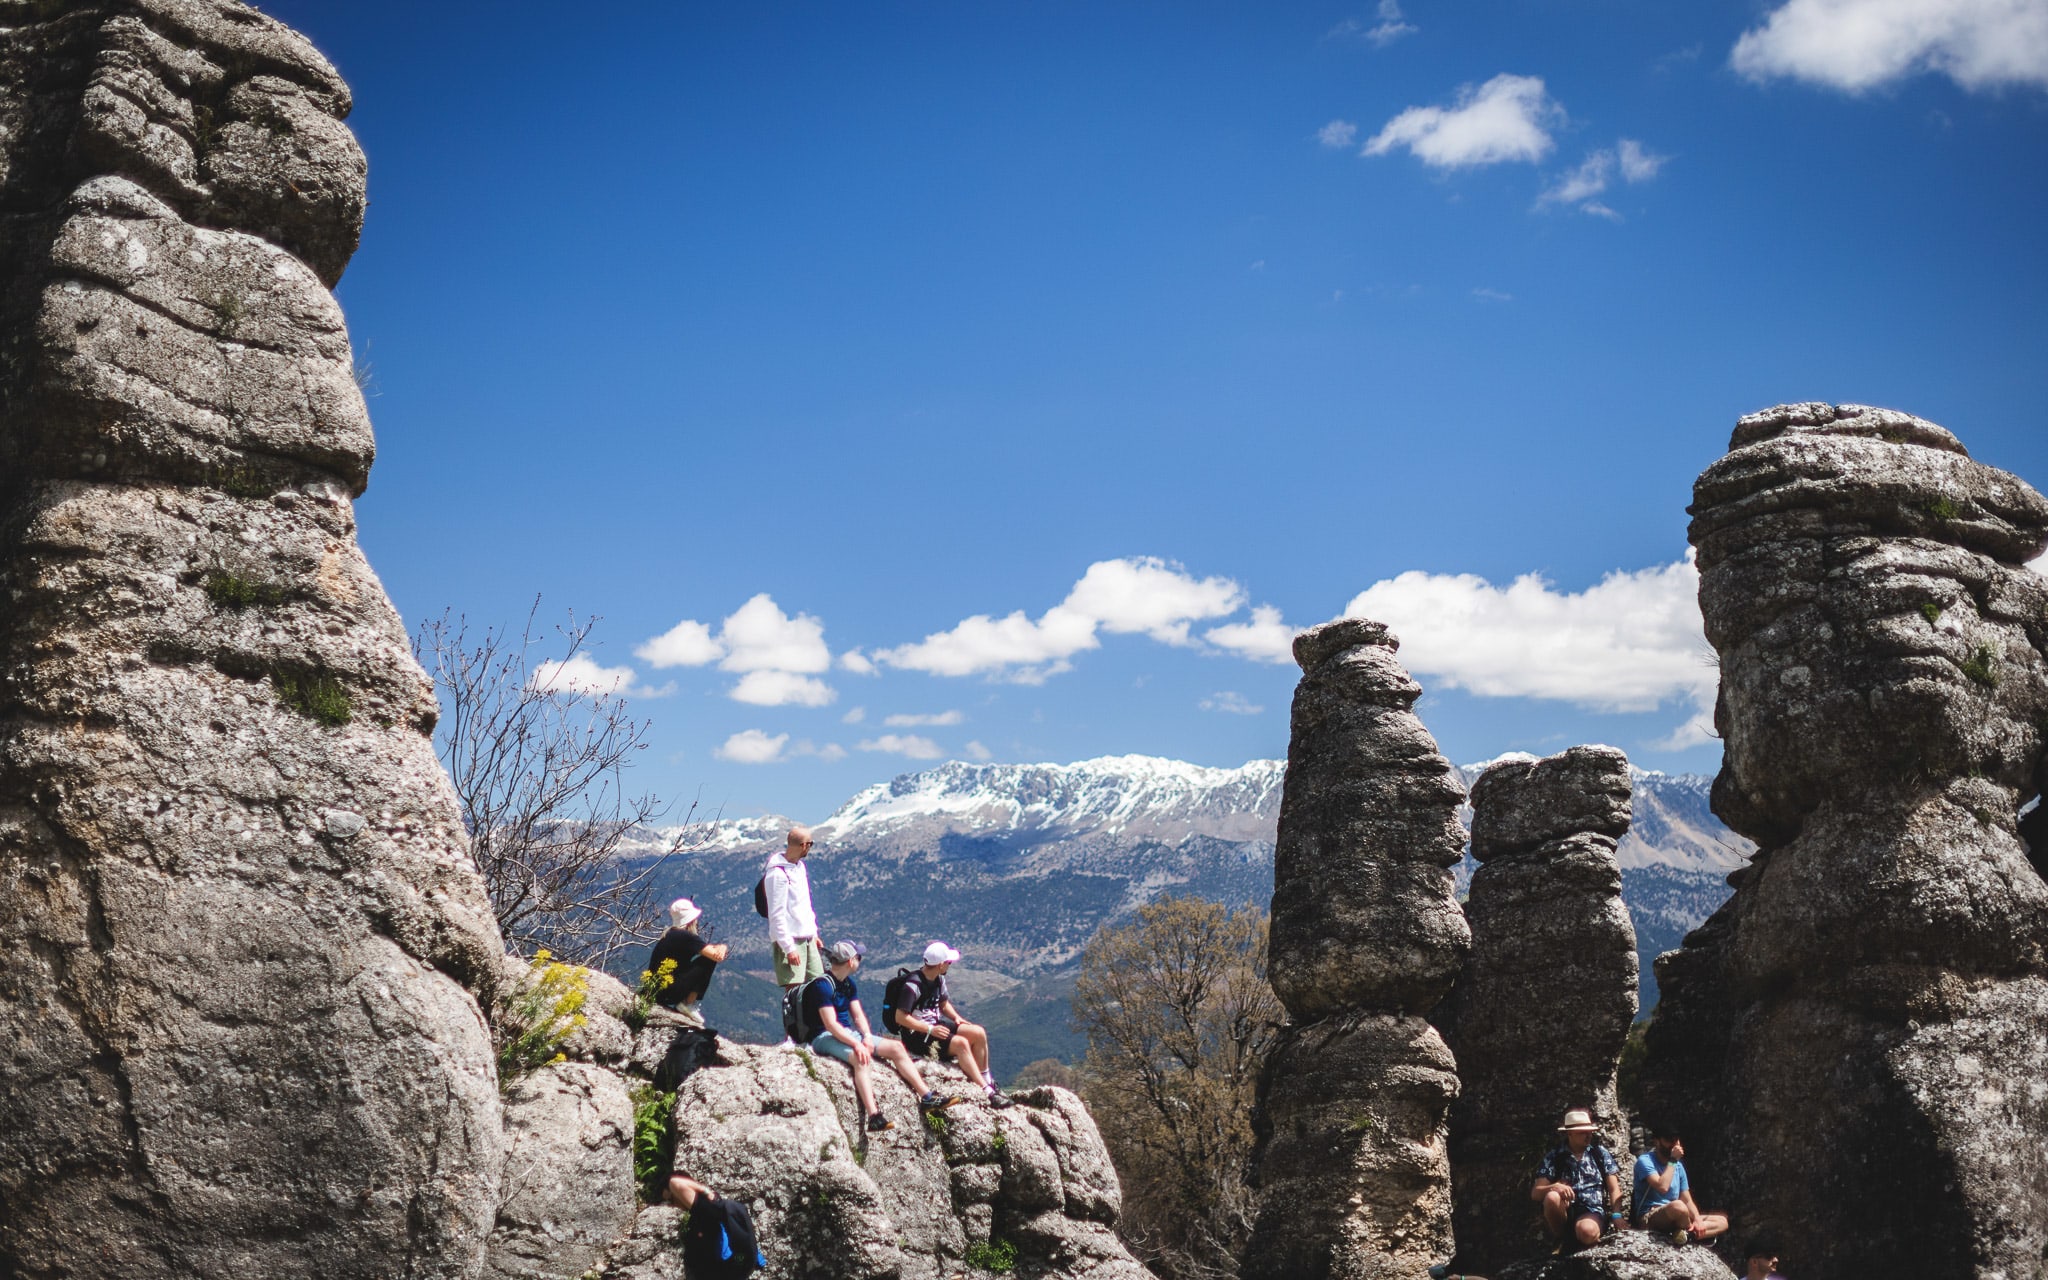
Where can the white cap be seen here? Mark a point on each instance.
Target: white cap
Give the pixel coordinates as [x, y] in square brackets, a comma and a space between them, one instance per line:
[940, 953]
[682, 911]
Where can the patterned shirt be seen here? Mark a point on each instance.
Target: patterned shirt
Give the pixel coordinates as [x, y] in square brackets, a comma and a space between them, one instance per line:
[1585, 1174]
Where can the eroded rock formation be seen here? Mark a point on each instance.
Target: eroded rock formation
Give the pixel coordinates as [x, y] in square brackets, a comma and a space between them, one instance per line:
[243, 930]
[1539, 1015]
[1367, 936]
[1858, 1040]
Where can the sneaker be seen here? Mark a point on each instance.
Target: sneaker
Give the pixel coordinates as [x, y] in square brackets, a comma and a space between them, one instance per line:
[936, 1101]
[998, 1101]
[879, 1123]
[1681, 1237]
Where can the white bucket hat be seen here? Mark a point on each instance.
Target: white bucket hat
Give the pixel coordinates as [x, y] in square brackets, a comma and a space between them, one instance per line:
[682, 912]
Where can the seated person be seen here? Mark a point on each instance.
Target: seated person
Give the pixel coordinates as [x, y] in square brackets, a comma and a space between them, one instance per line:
[1576, 1183]
[1662, 1195]
[694, 961]
[926, 1019]
[835, 1025]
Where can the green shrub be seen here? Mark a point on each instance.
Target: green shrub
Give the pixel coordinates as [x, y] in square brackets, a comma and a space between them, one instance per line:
[1942, 509]
[654, 1140]
[314, 695]
[1930, 611]
[999, 1256]
[538, 1019]
[1982, 667]
[936, 1121]
[652, 984]
[233, 591]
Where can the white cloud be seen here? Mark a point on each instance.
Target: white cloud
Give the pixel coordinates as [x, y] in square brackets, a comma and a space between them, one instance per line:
[908, 744]
[752, 746]
[1507, 118]
[1638, 163]
[1392, 25]
[687, 644]
[1492, 295]
[831, 751]
[1130, 596]
[975, 751]
[1855, 45]
[1232, 703]
[772, 652]
[1337, 133]
[1631, 159]
[1264, 639]
[939, 719]
[781, 689]
[1629, 643]
[580, 676]
[857, 662]
[854, 716]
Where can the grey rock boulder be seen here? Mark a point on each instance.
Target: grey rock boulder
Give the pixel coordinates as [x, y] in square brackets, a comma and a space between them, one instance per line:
[568, 1192]
[1626, 1255]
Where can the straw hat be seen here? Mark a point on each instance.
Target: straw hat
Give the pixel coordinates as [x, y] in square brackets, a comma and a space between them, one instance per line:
[1576, 1120]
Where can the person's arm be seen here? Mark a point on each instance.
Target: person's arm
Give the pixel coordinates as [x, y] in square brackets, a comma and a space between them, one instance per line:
[946, 1008]
[1543, 1188]
[780, 916]
[860, 1021]
[714, 952]
[1661, 1182]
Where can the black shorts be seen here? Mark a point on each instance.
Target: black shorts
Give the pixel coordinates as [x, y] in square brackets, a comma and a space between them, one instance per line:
[924, 1046]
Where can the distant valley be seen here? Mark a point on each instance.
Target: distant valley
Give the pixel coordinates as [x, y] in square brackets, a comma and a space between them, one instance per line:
[1018, 865]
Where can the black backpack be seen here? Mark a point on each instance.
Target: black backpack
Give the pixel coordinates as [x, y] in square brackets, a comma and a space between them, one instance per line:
[761, 896]
[896, 997]
[793, 1012]
[692, 1047]
[719, 1243]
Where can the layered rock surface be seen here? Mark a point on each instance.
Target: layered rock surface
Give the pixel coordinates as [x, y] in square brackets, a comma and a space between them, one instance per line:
[1539, 1015]
[240, 1026]
[1857, 1040]
[1367, 936]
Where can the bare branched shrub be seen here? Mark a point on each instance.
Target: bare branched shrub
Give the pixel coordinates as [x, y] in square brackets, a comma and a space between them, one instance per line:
[539, 767]
[1179, 1019]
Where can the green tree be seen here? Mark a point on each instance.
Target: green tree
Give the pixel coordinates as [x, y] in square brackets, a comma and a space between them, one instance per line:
[1179, 1019]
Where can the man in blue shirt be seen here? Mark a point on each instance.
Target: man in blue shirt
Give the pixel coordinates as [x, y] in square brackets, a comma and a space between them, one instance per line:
[835, 1025]
[1576, 1183]
[1663, 1193]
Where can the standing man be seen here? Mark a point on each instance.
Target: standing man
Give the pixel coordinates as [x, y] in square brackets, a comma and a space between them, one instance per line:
[1663, 1193]
[924, 1016]
[693, 960]
[1576, 1183]
[792, 924]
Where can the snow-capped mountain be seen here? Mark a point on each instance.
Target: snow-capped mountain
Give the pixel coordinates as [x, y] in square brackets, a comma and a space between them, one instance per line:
[1018, 865]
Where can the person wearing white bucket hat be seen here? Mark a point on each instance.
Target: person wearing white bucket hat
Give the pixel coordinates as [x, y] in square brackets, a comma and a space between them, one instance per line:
[691, 961]
[1577, 1183]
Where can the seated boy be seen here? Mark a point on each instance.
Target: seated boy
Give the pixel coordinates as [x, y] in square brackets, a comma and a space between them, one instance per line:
[836, 1026]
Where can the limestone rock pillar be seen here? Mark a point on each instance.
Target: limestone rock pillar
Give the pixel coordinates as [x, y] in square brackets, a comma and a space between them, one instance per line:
[1367, 936]
[1539, 1015]
[1858, 1039]
[239, 1026]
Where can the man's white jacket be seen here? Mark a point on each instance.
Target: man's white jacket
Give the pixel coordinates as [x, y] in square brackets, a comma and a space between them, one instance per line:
[790, 918]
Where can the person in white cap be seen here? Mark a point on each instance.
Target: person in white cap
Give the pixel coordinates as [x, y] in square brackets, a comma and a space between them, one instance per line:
[836, 1025]
[1576, 1184]
[693, 959]
[918, 1008]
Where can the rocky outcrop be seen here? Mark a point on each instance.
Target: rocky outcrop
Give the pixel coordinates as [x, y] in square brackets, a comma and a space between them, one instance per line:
[1366, 937]
[1031, 1188]
[568, 1191]
[244, 934]
[1855, 1040]
[1628, 1255]
[1539, 1015]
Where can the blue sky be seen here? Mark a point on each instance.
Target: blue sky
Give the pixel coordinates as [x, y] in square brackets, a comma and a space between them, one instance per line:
[901, 315]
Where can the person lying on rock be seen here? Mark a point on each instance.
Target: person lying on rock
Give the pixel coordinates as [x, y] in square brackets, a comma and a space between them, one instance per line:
[694, 960]
[920, 1010]
[836, 1026]
[1576, 1183]
[1662, 1193]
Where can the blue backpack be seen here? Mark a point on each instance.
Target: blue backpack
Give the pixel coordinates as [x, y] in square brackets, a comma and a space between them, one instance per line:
[719, 1243]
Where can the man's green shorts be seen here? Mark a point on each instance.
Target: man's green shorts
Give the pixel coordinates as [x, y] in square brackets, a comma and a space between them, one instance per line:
[810, 965]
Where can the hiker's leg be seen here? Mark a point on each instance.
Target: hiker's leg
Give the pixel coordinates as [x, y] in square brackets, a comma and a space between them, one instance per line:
[863, 1091]
[1556, 1212]
[1668, 1218]
[898, 1058]
[977, 1040]
[1587, 1228]
[1709, 1225]
[963, 1057]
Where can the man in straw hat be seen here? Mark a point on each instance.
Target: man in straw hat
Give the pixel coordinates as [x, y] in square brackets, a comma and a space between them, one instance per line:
[1576, 1184]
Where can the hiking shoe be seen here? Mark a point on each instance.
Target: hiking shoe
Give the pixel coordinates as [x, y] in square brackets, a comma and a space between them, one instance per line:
[936, 1101]
[1681, 1237]
[998, 1101]
[879, 1123]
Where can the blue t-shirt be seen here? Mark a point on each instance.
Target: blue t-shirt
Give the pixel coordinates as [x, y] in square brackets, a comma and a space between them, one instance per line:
[840, 993]
[1646, 1199]
[1585, 1174]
